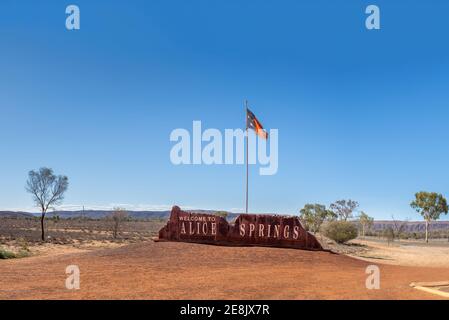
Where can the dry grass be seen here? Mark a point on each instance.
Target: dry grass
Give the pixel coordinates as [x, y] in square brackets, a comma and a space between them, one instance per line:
[21, 236]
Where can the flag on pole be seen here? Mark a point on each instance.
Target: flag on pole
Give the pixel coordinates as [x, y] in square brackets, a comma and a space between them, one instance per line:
[253, 123]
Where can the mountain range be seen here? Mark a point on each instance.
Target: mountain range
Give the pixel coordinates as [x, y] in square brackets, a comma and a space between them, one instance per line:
[378, 225]
[98, 214]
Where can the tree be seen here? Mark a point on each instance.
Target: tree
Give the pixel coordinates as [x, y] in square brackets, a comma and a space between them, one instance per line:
[117, 216]
[313, 216]
[399, 227]
[389, 234]
[430, 205]
[344, 208]
[365, 221]
[47, 190]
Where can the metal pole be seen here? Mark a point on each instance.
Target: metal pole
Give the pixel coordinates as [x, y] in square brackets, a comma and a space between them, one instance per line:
[246, 118]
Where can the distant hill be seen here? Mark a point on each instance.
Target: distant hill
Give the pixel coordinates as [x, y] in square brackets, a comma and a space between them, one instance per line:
[98, 214]
[411, 226]
[379, 225]
[91, 214]
[15, 214]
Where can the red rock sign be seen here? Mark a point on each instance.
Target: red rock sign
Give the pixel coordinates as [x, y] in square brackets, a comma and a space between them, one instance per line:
[248, 229]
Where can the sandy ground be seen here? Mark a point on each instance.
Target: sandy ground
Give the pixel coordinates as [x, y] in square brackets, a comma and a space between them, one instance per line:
[405, 253]
[192, 271]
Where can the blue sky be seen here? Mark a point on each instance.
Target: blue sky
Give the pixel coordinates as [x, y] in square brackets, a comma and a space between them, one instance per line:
[361, 114]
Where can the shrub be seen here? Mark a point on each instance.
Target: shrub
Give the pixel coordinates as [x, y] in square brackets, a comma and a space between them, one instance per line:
[23, 243]
[340, 231]
[4, 254]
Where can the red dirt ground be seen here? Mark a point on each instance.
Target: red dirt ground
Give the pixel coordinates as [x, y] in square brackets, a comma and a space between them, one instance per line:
[192, 271]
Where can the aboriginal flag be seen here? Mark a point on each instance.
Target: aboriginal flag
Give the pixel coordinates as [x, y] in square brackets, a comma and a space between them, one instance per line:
[253, 123]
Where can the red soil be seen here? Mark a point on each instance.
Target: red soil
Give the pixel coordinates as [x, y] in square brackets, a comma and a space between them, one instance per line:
[169, 270]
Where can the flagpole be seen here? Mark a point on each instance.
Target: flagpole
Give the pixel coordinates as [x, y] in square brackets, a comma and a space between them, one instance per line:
[246, 118]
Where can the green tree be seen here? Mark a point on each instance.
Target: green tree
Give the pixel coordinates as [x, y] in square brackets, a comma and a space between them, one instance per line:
[344, 208]
[430, 205]
[365, 221]
[47, 190]
[313, 216]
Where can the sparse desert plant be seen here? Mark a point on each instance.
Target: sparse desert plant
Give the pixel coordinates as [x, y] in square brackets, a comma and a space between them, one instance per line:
[117, 217]
[399, 227]
[55, 218]
[389, 235]
[340, 231]
[22, 254]
[5, 254]
[23, 243]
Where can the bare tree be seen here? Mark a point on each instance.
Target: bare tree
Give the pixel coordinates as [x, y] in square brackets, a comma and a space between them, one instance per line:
[399, 227]
[47, 190]
[117, 216]
[389, 234]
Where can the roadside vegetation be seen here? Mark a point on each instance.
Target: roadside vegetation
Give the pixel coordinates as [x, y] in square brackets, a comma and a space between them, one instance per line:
[340, 223]
[334, 222]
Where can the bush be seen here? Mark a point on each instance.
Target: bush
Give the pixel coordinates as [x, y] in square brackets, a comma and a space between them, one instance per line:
[4, 254]
[340, 231]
